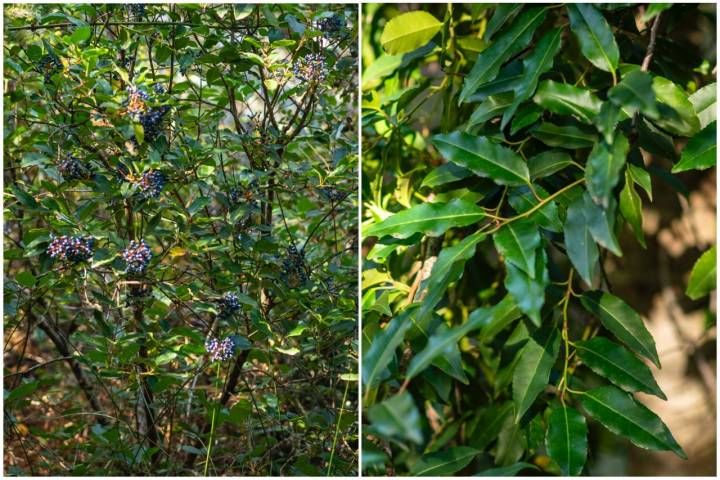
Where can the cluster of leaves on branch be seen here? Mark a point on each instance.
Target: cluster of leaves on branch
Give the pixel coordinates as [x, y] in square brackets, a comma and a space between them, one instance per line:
[162, 162]
[504, 149]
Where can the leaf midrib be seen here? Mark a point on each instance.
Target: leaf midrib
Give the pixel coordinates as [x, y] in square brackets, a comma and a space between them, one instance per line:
[535, 370]
[500, 165]
[438, 25]
[596, 39]
[619, 367]
[434, 467]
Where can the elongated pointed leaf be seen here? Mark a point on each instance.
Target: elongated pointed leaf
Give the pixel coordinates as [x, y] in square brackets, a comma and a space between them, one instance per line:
[483, 157]
[504, 12]
[529, 292]
[546, 163]
[446, 173]
[532, 371]
[680, 118]
[566, 440]
[634, 93]
[564, 136]
[565, 99]
[595, 36]
[397, 418]
[508, 471]
[534, 65]
[602, 224]
[409, 31]
[517, 242]
[622, 321]
[431, 219]
[607, 121]
[445, 463]
[491, 107]
[503, 314]
[702, 277]
[631, 207]
[506, 81]
[603, 168]
[382, 350]
[507, 44]
[700, 152]
[703, 102]
[620, 413]
[640, 176]
[489, 424]
[581, 248]
[522, 200]
[526, 115]
[618, 365]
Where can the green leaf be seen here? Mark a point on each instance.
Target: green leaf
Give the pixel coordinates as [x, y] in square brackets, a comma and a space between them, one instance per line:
[601, 224]
[445, 173]
[622, 321]
[409, 31]
[446, 463]
[489, 424]
[397, 417]
[511, 443]
[529, 292]
[566, 440]
[703, 102]
[700, 153]
[25, 279]
[431, 219]
[631, 207]
[581, 248]
[382, 350]
[81, 34]
[492, 106]
[567, 136]
[603, 168]
[508, 43]
[546, 163]
[653, 140]
[640, 176]
[483, 157]
[654, 9]
[607, 121]
[565, 99]
[503, 13]
[594, 35]
[526, 115]
[508, 471]
[517, 242]
[503, 314]
[634, 93]
[702, 276]
[618, 365]
[522, 200]
[534, 65]
[680, 118]
[620, 413]
[532, 372]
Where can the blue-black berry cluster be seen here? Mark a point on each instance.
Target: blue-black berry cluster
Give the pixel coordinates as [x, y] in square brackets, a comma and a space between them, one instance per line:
[332, 26]
[137, 255]
[294, 265]
[49, 65]
[151, 184]
[159, 89]
[310, 68]
[137, 102]
[151, 122]
[71, 250]
[228, 305]
[71, 168]
[137, 10]
[220, 349]
[332, 194]
[248, 195]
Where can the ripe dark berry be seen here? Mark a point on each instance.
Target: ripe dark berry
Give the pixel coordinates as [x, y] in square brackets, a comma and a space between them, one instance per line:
[137, 255]
[151, 183]
[228, 305]
[71, 168]
[331, 26]
[137, 10]
[49, 65]
[294, 269]
[71, 250]
[332, 194]
[220, 349]
[310, 68]
[136, 103]
[158, 89]
[151, 122]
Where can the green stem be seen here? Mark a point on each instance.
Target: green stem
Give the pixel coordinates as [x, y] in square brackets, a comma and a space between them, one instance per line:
[337, 427]
[212, 432]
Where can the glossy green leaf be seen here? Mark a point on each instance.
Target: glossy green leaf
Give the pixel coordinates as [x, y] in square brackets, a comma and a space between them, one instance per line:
[506, 81]
[566, 99]
[517, 242]
[508, 43]
[504, 12]
[431, 219]
[634, 93]
[546, 163]
[603, 168]
[631, 207]
[532, 371]
[508, 471]
[502, 315]
[564, 136]
[484, 157]
[618, 365]
[397, 417]
[522, 200]
[580, 246]
[607, 121]
[653, 140]
[680, 118]
[409, 31]
[596, 39]
[654, 9]
[620, 413]
[702, 277]
[534, 65]
[566, 440]
[489, 108]
[641, 177]
[700, 153]
[25, 279]
[601, 223]
[445, 173]
[526, 115]
[382, 350]
[511, 443]
[445, 463]
[622, 321]
[529, 292]
[704, 104]
[489, 424]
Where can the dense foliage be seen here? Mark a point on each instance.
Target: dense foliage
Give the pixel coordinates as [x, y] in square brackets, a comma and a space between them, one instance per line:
[505, 148]
[180, 239]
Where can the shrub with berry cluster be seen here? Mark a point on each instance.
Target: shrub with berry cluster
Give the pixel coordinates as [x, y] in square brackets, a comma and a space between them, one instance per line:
[160, 160]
